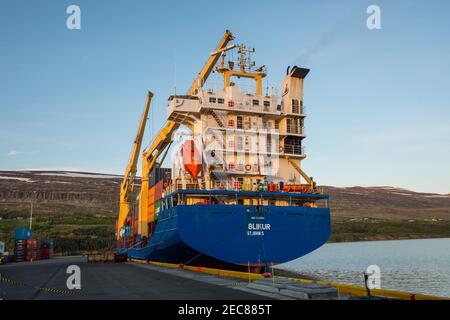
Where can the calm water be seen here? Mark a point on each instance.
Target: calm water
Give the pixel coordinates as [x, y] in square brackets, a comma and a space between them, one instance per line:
[420, 266]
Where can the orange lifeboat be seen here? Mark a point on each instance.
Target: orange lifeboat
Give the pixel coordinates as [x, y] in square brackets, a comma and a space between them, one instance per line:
[192, 159]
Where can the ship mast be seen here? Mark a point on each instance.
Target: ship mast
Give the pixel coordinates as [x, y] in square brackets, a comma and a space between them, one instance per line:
[246, 69]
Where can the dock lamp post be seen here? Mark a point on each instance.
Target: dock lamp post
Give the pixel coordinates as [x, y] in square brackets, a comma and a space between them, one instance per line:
[31, 209]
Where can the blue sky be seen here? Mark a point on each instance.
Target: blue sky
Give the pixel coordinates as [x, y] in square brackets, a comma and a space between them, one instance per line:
[378, 102]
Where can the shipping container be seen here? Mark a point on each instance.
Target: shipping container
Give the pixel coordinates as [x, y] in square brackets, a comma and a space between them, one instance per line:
[20, 250]
[32, 244]
[159, 190]
[157, 209]
[156, 192]
[151, 213]
[151, 196]
[20, 247]
[22, 234]
[32, 254]
[46, 243]
[158, 174]
[46, 253]
[20, 243]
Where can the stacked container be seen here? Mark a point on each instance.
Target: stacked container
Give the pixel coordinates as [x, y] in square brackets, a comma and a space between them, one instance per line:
[32, 251]
[46, 248]
[157, 209]
[20, 246]
[22, 234]
[155, 195]
[158, 174]
[20, 250]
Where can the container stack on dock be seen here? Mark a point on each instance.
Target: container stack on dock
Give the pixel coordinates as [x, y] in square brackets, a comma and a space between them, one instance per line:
[20, 246]
[28, 249]
[46, 249]
[32, 251]
[20, 250]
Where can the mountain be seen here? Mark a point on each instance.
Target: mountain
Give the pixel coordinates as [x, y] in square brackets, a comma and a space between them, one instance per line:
[388, 203]
[82, 192]
[58, 192]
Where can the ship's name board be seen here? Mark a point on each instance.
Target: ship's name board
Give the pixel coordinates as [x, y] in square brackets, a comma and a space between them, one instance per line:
[257, 229]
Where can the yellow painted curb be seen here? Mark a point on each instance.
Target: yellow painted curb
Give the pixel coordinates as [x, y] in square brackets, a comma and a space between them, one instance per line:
[215, 272]
[358, 291]
[345, 289]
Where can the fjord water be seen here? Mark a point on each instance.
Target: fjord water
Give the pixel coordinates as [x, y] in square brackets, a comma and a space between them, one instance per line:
[419, 266]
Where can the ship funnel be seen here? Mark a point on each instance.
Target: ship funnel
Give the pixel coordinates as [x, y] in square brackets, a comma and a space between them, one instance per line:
[292, 87]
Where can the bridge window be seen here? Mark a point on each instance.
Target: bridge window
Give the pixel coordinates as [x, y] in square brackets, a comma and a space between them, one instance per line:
[269, 143]
[220, 100]
[239, 143]
[239, 122]
[256, 102]
[212, 100]
[295, 106]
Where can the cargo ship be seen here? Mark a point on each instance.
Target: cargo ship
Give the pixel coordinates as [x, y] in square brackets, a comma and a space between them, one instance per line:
[235, 195]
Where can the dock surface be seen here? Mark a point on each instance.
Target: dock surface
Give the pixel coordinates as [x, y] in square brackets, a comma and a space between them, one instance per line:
[47, 280]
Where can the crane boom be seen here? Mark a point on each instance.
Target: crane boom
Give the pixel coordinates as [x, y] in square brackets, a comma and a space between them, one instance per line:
[213, 58]
[308, 179]
[127, 184]
[164, 136]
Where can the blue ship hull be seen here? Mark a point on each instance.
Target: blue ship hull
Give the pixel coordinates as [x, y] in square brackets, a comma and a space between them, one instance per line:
[235, 234]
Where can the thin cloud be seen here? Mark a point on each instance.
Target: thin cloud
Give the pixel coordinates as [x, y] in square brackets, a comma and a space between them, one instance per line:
[325, 40]
[13, 153]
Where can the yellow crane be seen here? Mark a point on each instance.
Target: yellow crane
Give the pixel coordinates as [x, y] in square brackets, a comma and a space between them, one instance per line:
[308, 179]
[209, 65]
[127, 185]
[164, 136]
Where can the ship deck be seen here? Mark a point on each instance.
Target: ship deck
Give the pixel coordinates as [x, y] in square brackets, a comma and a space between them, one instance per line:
[277, 194]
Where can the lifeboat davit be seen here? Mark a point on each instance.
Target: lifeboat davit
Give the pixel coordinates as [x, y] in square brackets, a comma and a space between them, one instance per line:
[192, 159]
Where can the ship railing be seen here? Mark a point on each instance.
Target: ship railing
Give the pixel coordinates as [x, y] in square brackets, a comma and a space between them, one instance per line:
[299, 110]
[295, 129]
[240, 106]
[232, 167]
[249, 107]
[303, 110]
[228, 104]
[225, 185]
[235, 185]
[294, 150]
[249, 129]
